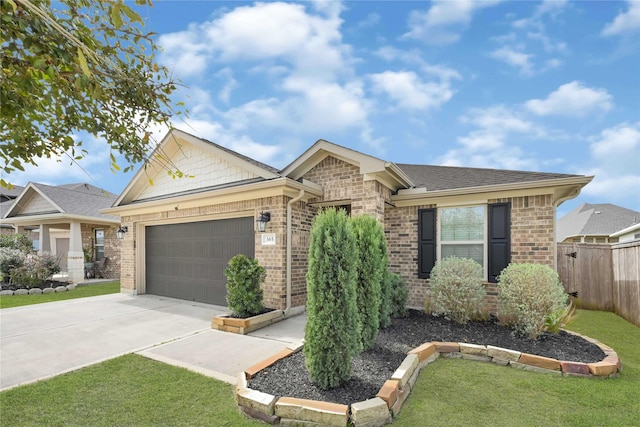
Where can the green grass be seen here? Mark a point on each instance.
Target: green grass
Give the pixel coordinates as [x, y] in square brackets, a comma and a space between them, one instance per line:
[460, 392]
[128, 391]
[7, 301]
[135, 391]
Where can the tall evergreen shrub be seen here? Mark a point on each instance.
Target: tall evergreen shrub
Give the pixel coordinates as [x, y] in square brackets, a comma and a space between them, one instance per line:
[371, 266]
[244, 294]
[331, 333]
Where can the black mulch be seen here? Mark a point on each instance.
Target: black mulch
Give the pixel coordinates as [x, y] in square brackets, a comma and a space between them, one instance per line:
[288, 377]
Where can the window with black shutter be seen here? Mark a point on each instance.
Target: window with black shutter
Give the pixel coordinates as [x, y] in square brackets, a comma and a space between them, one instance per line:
[426, 242]
[499, 240]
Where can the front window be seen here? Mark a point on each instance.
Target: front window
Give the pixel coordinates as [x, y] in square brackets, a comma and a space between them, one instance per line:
[99, 244]
[462, 233]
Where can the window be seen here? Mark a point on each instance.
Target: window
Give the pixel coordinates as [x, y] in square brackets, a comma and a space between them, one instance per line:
[99, 244]
[481, 233]
[462, 232]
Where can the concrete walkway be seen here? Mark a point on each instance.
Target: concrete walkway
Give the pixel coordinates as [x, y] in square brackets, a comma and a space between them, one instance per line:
[43, 340]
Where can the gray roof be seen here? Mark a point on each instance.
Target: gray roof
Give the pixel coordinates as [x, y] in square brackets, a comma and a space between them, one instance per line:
[79, 199]
[12, 193]
[435, 178]
[595, 220]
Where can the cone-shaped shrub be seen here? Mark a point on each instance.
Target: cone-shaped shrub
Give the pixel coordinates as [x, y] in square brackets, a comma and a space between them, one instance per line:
[528, 294]
[455, 288]
[399, 296]
[331, 333]
[371, 267]
[244, 277]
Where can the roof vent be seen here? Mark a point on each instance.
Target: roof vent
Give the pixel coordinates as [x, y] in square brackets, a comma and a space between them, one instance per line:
[597, 212]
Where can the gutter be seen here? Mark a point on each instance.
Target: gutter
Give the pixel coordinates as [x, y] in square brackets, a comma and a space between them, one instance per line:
[300, 195]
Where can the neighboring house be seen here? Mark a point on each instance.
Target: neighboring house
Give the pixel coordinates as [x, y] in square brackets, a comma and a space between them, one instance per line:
[596, 223]
[66, 220]
[628, 234]
[182, 232]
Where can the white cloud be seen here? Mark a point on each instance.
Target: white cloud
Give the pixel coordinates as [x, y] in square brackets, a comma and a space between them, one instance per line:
[414, 57]
[409, 91]
[183, 53]
[230, 83]
[571, 99]
[434, 26]
[515, 58]
[625, 22]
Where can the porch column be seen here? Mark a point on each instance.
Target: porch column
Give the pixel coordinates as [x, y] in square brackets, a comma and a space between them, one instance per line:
[75, 257]
[45, 239]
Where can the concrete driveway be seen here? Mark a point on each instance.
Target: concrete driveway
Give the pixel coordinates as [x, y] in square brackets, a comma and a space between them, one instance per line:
[43, 340]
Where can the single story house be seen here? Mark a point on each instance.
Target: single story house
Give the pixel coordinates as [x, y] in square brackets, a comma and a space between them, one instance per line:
[66, 220]
[182, 232]
[596, 223]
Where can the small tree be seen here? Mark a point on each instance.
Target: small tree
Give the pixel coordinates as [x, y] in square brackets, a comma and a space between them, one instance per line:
[244, 277]
[372, 264]
[456, 288]
[331, 333]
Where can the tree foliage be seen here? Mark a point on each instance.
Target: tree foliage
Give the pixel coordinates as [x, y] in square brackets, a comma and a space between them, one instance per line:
[81, 66]
[371, 266]
[331, 333]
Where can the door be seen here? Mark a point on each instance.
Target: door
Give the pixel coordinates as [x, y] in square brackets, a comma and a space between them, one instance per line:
[188, 260]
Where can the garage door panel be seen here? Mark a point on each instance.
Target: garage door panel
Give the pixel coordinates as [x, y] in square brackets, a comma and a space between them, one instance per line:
[188, 260]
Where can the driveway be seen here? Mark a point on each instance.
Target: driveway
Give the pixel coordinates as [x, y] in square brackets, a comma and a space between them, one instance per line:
[43, 340]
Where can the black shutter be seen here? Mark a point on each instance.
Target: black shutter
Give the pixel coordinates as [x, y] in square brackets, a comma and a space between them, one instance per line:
[426, 242]
[499, 239]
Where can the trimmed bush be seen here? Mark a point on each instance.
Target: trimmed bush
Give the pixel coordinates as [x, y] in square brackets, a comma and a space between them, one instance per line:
[16, 241]
[529, 295]
[371, 266]
[10, 259]
[455, 288]
[331, 333]
[399, 296]
[244, 277]
[385, 299]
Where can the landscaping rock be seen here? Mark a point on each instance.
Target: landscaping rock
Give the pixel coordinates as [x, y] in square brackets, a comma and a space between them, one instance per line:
[61, 289]
[324, 413]
[6, 292]
[35, 291]
[71, 287]
[406, 370]
[48, 291]
[21, 292]
[370, 413]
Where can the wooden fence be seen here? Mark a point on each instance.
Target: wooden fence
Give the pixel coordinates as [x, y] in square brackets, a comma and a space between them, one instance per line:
[606, 277]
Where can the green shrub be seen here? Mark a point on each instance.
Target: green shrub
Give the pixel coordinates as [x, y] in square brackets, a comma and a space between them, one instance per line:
[455, 288]
[528, 296]
[385, 299]
[399, 296]
[331, 333]
[372, 264]
[27, 271]
[244, 277]
[10, 259]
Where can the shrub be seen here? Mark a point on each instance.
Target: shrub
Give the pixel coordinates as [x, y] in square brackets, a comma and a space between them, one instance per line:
[371, 265]
[385, 299]
[244, 277]
[529, 295]
[10, 259]
[331, 333]
[455, 288]
[399, 296]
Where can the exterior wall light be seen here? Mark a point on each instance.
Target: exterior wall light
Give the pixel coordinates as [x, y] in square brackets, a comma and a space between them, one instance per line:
[262, 221]
[120, 232]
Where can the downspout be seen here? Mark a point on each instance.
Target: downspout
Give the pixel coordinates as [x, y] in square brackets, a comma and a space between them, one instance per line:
[289, 256]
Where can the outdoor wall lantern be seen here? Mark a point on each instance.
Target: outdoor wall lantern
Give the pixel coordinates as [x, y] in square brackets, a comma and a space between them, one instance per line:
[120, 232]
[262, 221]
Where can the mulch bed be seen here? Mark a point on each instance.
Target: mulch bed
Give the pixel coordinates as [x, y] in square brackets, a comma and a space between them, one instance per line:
[46, 284]
[370, 369]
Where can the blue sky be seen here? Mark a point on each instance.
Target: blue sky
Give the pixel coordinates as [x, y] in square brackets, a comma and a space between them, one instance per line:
[528, 85]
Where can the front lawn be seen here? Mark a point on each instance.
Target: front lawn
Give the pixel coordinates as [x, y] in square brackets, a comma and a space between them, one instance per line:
[135, 391]
[7, 301]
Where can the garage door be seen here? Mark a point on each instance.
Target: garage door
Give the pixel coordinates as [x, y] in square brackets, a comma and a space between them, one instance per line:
[187, 261]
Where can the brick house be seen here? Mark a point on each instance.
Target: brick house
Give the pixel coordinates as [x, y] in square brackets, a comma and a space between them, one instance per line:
[182, 232]
[65, 220]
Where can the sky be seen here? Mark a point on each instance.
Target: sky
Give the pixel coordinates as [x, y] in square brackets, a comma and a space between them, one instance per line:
[549, 86]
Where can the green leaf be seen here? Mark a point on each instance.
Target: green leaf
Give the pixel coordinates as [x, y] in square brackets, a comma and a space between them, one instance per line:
[116, 19]
[134, 17]
[12, 4]
[83, 63]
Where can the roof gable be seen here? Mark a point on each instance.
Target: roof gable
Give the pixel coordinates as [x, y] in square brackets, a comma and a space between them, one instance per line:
[69, 199]
[206, 165]
[371, 167]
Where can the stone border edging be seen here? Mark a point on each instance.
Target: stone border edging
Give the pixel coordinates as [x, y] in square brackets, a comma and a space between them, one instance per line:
[387, 404]
[38, 291]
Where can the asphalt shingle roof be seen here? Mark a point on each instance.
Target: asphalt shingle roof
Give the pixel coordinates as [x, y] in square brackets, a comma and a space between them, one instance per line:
[595, 220]
[435, 178]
